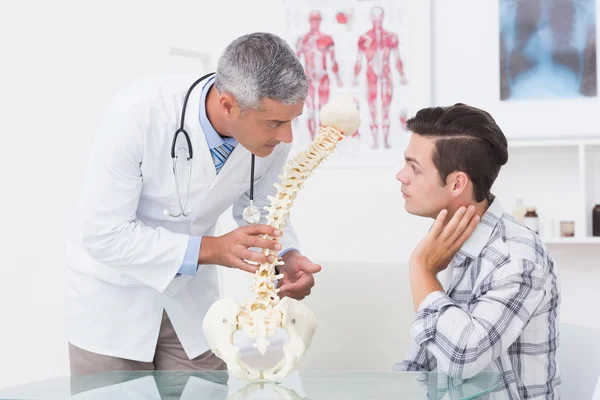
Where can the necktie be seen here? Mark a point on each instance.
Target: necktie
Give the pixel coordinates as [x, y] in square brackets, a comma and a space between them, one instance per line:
[220, 154]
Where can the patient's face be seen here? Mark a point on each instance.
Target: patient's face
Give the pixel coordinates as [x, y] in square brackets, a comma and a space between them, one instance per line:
[422, 188]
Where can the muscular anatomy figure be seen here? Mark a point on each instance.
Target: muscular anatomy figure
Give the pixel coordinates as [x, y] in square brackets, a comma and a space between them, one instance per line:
[377, 45]
[316, 46]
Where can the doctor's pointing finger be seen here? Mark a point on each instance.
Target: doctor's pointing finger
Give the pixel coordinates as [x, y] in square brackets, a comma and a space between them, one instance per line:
[171, 154]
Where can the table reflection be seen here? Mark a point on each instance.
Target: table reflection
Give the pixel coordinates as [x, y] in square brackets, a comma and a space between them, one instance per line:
[218, 385]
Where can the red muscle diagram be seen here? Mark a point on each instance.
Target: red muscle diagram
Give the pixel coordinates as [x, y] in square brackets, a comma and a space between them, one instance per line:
[380, 48]
[316, 48]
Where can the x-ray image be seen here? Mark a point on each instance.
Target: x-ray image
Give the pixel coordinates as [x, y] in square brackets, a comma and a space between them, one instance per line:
[547, 49]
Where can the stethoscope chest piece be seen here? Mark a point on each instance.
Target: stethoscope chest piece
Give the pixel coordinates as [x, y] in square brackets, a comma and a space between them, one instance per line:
[251, 214]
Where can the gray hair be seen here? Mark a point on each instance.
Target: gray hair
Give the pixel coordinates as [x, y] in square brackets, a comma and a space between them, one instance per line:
[261, 65]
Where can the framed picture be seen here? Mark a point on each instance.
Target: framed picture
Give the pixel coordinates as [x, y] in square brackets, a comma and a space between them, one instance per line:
[378, 52]
[547, 49]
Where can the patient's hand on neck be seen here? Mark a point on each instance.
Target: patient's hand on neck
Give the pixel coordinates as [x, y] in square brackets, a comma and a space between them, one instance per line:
[433, 254]
[480, 208]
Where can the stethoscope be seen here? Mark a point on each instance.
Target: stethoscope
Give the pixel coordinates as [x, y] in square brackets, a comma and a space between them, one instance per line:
[251, 213]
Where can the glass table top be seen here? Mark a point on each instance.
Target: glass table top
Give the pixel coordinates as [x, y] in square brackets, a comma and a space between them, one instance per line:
[218, 385]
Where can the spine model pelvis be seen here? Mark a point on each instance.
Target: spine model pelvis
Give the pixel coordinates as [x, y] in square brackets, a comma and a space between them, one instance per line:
[266, 312]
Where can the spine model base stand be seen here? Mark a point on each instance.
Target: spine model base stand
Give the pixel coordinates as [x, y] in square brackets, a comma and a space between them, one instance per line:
[266, 312]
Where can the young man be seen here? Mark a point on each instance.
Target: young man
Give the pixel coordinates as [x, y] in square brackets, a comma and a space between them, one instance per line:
[498, 307]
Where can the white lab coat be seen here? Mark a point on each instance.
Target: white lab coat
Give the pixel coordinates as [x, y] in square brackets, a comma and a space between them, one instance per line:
[122, 253]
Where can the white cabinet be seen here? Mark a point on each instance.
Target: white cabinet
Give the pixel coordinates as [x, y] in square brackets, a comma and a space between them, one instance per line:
[560, 178]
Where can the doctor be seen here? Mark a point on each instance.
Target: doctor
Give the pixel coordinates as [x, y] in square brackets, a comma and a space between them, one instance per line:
[142, 254]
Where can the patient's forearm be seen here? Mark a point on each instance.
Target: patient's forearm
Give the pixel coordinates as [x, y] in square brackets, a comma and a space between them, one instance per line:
[422, 283]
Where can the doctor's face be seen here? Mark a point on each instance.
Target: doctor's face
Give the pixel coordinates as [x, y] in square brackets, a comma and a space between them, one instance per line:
[260, 131]
[422, 188]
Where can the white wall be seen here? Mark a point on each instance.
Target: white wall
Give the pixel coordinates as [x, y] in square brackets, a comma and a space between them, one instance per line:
[466, 45]
[62, 61]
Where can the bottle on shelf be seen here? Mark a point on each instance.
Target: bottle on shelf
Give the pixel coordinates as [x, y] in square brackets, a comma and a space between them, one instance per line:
[519, 211]
[596, 220]
[531, 220]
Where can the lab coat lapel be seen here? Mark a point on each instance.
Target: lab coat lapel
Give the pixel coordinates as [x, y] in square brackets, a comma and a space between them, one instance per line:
[236, 167]
[226, 183]
[230, 172]
[235, 170]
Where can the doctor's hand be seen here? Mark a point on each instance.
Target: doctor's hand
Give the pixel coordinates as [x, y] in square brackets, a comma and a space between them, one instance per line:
[233, 249]
[298, 279]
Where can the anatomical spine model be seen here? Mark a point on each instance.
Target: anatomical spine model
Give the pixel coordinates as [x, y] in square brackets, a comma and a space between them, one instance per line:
[266, 312]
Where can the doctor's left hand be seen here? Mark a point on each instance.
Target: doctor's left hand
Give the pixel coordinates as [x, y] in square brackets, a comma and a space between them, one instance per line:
[298, 279]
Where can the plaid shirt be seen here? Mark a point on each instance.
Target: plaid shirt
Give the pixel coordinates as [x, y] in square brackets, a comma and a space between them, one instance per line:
[500, 313]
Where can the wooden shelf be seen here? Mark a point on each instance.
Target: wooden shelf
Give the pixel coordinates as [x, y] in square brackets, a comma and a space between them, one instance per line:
[566, 142]
[572, 240]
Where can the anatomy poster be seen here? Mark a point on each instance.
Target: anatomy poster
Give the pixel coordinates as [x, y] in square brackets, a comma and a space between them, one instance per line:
[547, 49]
[365, 49]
